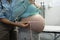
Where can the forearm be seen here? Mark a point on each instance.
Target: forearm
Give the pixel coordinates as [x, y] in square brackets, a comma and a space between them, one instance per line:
[18, 24]
[6, 21]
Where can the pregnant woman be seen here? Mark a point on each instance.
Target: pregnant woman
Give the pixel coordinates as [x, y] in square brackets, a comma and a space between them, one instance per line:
[28, 12]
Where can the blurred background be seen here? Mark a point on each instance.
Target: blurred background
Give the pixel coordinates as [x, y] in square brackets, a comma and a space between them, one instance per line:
[51, 12]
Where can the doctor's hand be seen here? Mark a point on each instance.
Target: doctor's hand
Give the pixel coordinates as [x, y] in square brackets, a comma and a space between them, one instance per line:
[22, 24]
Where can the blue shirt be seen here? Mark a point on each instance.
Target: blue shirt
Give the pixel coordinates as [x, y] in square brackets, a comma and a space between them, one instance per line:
[31, 10]
[9, 9]
[13, 9]
[20, 7]
[6, 12]
[24, 9]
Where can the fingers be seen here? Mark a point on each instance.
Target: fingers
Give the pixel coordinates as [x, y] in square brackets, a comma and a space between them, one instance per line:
[24, 25]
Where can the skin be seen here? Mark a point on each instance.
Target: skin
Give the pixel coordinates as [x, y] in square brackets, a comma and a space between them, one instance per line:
[36, 22]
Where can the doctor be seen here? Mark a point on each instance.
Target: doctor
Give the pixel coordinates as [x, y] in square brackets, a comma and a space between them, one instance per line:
[7, 19]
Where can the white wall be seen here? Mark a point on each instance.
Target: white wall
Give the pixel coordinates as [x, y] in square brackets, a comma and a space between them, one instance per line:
[52, 15]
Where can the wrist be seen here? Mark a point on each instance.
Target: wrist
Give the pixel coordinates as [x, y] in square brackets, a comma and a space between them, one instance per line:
[13, 23]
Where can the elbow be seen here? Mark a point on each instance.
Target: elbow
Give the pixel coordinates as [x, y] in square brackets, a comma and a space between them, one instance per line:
[0, 19]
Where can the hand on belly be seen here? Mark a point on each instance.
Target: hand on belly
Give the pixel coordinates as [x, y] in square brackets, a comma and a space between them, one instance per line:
[36, 22]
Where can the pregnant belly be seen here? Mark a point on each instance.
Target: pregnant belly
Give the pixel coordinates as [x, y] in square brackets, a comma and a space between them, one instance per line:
[36, 22]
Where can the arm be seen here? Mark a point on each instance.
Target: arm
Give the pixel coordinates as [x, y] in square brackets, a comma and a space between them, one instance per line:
[6, 21]
[2, 17]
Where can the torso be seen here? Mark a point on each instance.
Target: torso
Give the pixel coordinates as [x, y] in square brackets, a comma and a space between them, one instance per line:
[24, 33]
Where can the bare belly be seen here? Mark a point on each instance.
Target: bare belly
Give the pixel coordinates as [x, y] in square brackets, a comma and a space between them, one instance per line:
[36, 22]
